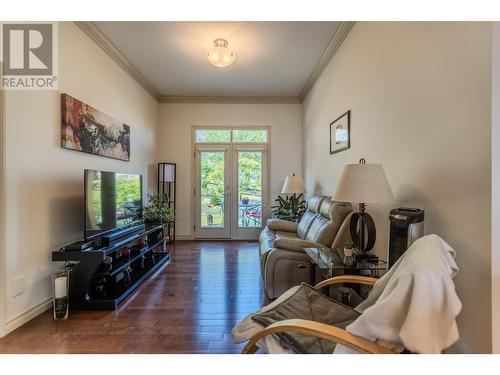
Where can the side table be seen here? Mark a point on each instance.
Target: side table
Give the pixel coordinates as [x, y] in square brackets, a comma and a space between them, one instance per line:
[331, 260]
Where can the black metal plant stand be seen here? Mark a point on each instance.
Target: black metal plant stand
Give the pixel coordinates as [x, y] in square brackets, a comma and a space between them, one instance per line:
[167, 180]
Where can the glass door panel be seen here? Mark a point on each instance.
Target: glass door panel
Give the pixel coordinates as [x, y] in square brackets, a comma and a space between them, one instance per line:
[212, 193]
[250, 189]
[212, 189]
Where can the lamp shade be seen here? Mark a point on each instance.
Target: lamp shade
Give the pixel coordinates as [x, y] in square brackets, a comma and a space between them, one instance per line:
[168, 173]
[293, 184]
[364, 183]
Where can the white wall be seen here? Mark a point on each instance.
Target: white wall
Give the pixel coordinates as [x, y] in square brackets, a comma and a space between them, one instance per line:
[419, 95]
[175, 132]
[495, 196]
[44, 183]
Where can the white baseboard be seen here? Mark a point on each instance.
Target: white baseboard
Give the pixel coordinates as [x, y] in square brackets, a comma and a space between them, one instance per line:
[184, 237]
[27, 316]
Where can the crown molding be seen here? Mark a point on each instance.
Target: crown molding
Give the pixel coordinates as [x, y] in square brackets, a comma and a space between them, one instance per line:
[93, 32]
[231, 99]
[105, 44]
[335, 43]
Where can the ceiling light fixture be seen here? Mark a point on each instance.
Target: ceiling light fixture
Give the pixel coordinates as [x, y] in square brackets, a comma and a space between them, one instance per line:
[221, 56]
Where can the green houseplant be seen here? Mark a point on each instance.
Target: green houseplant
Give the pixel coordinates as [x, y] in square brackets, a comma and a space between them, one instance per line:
[284, 206]
[156, 212]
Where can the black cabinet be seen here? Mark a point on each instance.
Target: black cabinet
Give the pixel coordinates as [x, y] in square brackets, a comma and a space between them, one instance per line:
[103, 276]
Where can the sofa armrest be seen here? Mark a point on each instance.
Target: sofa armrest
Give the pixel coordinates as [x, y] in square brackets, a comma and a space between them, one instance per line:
[282, 225]
[295, 244]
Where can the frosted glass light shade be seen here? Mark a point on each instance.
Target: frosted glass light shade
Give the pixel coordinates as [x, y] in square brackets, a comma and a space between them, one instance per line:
[220, 55]
[364, 183]
[293, 184]
[168, 173]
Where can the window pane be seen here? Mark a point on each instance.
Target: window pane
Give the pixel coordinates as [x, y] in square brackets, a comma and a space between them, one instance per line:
[213, 135]
[212, 189]
[251, 136]
[250, 189]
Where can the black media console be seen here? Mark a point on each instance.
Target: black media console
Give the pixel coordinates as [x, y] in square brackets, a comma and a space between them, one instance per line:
[106, 272]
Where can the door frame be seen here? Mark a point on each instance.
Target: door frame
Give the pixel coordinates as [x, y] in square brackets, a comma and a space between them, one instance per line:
[229, 127]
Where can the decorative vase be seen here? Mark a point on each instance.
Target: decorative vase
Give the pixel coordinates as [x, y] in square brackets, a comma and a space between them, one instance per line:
[210, 219]
[60, 300]
[348, 256]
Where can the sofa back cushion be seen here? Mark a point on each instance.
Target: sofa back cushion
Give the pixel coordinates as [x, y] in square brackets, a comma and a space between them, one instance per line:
[326, 225]
[305, 224]
[313, 207]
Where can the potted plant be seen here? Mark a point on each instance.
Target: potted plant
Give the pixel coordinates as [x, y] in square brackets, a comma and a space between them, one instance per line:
[348, 247]
[284, 206]
[210, 217]
[156, 212]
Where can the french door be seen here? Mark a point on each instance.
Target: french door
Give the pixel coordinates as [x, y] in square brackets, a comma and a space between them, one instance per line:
[231, 199]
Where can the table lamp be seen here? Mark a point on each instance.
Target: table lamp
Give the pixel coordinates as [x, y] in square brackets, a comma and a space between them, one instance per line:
[363, 183]
[294, 185]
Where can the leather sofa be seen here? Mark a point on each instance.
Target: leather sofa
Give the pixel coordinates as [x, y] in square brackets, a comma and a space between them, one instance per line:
[283, 262]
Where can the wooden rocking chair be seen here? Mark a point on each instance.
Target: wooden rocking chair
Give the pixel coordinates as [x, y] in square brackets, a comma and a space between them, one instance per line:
[425, 275]
[321, 330]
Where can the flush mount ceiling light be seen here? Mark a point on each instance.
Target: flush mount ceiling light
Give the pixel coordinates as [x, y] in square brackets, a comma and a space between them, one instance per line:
[221, 56]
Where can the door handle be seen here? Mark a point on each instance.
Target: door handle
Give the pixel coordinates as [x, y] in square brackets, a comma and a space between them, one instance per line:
[227, 194]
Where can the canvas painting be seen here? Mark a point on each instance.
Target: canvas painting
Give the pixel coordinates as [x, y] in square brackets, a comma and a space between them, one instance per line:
[340, 137]
[86, 129]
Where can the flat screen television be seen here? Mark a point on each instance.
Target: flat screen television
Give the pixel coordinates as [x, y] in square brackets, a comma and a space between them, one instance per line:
[112, 200]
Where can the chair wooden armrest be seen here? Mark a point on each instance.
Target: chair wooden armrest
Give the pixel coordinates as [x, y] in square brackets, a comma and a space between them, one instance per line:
[320, 330]
[346, 279]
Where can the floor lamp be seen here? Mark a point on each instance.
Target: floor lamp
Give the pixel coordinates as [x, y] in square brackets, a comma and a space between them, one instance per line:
[167, 182]
[363, 184]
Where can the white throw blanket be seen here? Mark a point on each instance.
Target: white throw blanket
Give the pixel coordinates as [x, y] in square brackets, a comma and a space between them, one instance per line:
[414, 305]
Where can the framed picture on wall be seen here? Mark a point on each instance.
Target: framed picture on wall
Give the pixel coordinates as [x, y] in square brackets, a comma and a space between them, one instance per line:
[89, 130]
[340, 133]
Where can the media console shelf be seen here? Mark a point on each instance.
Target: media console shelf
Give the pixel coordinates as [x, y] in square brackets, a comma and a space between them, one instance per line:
[104, 275]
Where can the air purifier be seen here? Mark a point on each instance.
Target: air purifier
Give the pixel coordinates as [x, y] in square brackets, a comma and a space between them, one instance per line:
[406, 226]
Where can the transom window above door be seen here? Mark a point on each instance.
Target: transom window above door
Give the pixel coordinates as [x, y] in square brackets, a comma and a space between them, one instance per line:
[237, 135]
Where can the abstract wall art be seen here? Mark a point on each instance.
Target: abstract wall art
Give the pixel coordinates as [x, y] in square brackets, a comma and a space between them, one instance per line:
[86, 129]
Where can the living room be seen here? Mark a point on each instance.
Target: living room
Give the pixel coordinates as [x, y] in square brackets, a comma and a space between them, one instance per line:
[411, 103]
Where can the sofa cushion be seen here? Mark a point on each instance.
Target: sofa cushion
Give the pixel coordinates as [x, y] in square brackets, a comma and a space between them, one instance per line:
[322, 230]
[313, 207]
[337, 211]
[325, 226]
[286, 235]
[282, 225]
[294, 244]
[305, 223]
[326, 208]
[314, 203]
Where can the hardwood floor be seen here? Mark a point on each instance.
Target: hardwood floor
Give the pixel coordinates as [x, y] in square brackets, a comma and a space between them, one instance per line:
[189, 306]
